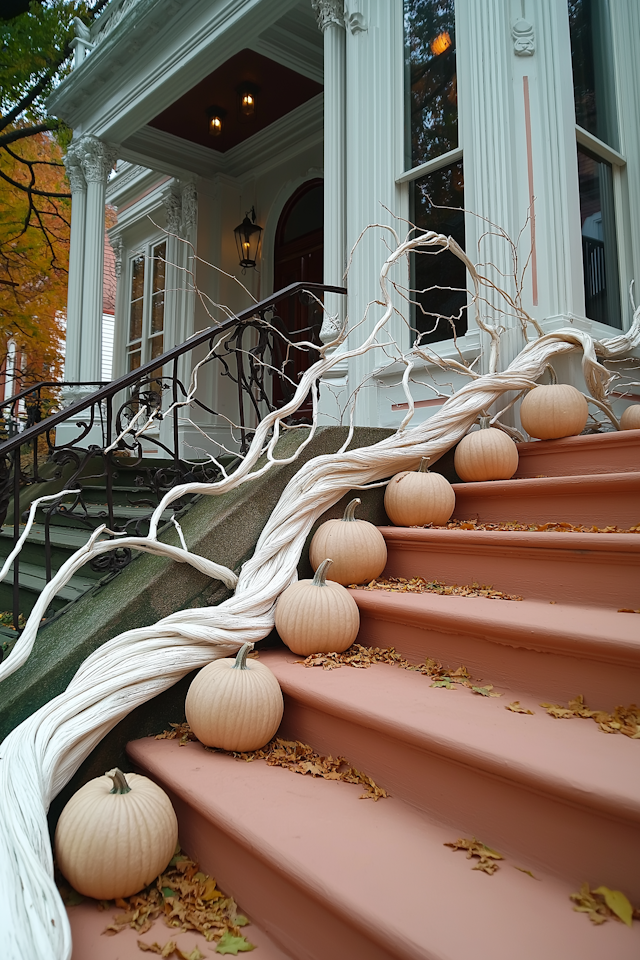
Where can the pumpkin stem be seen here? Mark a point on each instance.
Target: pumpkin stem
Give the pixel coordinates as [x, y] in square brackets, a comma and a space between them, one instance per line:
[424, 465]
[120, 784]
[241, 657]
[349, 513]
[485, 423]
[320, 577]
[553, 377]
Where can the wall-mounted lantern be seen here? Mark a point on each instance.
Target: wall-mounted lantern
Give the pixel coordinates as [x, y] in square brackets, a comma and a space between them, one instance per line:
[247, 93]
[216, 115]
[248, 235]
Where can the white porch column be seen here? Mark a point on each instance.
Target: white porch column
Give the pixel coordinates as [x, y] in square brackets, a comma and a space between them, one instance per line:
[331, 22]
[97, 159]
[375, 157]
[76, 263]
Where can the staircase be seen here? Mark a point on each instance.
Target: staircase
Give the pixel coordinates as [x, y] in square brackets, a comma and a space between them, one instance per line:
[70, 527]
[324, 874]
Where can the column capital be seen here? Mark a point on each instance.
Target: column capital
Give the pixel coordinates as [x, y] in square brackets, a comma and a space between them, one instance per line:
[96, 158]
[328, 12]
[189, 207]
[74, 170]
[172, 203]
[117, 245]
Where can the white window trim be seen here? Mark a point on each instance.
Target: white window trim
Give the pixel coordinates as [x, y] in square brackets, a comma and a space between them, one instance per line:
[146, 250]
[430, 166]
[602, 149]
[618, 163]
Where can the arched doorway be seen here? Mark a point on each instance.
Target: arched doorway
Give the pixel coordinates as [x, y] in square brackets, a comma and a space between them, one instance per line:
[298, 255]
[299, 237]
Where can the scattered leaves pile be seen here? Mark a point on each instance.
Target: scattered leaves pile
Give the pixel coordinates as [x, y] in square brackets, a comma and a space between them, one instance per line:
[420, 585]
[187, 899]
[625, 720]
[486, 856]
[295, 756]
[561, 526]
[6, 620]
[362, 657]
[603, 904]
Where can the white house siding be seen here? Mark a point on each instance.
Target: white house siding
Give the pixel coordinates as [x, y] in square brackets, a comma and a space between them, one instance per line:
[516, 136]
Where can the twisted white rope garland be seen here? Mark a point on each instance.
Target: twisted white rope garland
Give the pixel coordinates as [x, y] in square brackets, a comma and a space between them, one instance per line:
[41, 755]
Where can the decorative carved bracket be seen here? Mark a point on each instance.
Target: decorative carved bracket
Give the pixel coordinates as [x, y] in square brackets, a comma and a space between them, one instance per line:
[524, 41]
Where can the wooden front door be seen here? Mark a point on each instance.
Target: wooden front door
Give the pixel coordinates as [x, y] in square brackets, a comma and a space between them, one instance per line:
[298, 256]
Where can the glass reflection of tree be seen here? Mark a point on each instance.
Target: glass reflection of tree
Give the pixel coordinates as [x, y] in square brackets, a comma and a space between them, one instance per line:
[431, 65]
[440, 279]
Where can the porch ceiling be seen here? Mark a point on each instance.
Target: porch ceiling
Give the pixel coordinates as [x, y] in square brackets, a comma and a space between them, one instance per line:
[280, 90]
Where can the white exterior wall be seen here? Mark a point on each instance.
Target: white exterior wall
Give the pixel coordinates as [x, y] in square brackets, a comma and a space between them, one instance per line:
[516, 135]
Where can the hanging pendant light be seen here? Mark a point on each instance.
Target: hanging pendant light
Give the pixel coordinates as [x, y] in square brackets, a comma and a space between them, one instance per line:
[248, 235]
[216, 115]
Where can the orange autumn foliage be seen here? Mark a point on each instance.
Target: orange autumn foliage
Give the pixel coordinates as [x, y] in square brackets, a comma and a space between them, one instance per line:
[34, 258]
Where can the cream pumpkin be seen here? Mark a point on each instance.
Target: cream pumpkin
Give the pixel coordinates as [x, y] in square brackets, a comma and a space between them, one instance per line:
[235, 704]
[317, 616]
[357, 547]
[486, 454]
[554, 410]
[115, 835]
[415, 498]
[630, 419]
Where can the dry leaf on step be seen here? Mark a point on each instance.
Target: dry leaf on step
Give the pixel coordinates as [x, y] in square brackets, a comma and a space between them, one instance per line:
[233, 945]
[617, 903]
[486, 856]
[516, 708]
[603, 904]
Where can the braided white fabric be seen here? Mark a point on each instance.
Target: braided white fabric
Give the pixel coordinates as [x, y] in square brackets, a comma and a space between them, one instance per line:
[40, 756]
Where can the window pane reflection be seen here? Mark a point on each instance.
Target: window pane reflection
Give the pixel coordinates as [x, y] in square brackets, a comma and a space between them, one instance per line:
[440, 312]
[432, 100]
[599, 247]
[592, 59]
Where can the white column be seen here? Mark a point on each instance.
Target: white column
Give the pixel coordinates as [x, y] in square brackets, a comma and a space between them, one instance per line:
[97, 159]
[375, 139]
[76, 263]
[331, 22]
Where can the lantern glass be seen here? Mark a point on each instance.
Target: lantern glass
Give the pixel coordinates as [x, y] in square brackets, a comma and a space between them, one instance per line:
[247, 93]
[248, 236]
[216, 116]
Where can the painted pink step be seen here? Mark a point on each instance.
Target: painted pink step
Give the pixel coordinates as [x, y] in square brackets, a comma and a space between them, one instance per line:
[330, 876]
[579, 568]
[87, 923]
[558, 794]
[548, 651]
[597, 500]
[616, 452]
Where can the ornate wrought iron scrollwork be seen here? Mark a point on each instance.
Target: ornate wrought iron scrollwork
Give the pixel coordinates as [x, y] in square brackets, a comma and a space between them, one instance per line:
[100, 452]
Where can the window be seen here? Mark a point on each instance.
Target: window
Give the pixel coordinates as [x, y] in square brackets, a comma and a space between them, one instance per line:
[599, 248]
[434, 164]
[432, 101]
[439, 279]
[591, 59]
[598, 142]
[146, 306]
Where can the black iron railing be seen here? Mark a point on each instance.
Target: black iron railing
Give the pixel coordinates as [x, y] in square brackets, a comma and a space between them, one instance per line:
[96, 442]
